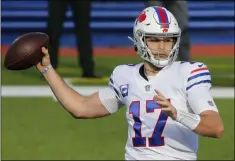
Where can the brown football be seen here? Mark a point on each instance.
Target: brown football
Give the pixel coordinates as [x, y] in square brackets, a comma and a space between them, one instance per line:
[25, 51]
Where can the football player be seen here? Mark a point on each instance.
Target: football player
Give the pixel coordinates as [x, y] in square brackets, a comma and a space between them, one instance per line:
[168, 103]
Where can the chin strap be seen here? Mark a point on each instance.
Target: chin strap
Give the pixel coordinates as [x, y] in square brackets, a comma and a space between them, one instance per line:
[130, 38]
[135, 44]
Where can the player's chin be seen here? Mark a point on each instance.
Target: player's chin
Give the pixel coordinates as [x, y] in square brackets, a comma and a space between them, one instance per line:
[159, 57]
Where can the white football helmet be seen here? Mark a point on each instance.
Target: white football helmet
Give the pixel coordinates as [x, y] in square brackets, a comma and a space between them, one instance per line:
[156, 21]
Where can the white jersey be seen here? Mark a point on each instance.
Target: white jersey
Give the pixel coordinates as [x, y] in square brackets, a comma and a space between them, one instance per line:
[152, 135]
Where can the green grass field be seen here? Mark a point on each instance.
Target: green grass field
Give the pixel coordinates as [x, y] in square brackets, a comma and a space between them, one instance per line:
[221, 68]
[38, 129]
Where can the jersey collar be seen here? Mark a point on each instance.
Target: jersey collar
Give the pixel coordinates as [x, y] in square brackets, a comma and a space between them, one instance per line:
[142, 73]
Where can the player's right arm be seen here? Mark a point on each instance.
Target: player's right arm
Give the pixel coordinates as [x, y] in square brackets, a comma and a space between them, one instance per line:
[99, 104]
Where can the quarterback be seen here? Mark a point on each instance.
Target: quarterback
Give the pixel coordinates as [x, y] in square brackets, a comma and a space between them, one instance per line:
[168, 102]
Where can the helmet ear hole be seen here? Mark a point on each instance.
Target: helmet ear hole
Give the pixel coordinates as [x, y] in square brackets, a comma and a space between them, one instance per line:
[135, 48]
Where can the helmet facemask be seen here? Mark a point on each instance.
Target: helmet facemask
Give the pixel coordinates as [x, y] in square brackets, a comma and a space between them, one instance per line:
[148, 54]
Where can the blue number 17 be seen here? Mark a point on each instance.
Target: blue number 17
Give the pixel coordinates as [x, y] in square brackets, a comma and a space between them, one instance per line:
[156, 139]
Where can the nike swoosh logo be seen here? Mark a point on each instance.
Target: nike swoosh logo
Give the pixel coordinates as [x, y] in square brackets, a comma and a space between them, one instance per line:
[200, 65]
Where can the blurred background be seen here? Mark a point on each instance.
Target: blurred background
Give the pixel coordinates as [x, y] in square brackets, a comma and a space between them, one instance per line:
[34, 126]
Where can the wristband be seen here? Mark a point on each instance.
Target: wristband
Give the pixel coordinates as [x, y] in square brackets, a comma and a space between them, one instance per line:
[44, 70]
[188, 119]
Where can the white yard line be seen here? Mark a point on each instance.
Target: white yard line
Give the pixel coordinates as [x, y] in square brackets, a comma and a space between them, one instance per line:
[45, 91]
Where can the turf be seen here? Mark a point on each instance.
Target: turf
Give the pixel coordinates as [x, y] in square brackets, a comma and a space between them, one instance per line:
[221, 68]
[38, 128]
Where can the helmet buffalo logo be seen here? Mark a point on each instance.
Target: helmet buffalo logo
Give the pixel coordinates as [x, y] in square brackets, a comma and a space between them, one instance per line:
[165, 30]
[142, 17]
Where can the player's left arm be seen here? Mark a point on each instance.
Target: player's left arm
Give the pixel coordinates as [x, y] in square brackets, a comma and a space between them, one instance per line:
[200, 100]
[205, 119]
[209, 124]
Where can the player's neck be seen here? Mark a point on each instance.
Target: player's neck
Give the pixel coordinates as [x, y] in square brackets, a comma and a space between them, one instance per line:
[150, 70]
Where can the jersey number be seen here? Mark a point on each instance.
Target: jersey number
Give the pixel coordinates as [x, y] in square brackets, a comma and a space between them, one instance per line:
[156, 139]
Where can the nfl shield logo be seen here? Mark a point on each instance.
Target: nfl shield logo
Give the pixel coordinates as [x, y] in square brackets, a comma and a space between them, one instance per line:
[147, 88]
[210, 103]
